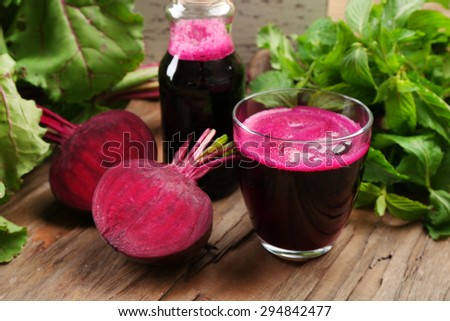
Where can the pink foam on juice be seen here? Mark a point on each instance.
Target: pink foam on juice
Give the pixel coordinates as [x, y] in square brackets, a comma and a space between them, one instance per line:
[200, 39]
[301, 139]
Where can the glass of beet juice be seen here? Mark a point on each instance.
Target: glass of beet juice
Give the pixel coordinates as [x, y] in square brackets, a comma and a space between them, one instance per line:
[302, 154]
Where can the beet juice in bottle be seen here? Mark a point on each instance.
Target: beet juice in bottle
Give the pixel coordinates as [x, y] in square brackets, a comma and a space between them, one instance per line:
[201, 79]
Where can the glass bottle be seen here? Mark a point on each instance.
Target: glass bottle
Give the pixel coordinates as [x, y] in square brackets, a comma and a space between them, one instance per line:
[201, 79]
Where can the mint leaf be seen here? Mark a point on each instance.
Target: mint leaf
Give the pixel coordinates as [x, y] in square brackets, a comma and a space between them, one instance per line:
[380, 204]
[367, 194]
[356, 70]
[75, 49]
[430, 23]
[438, 222]
[428, 155]
[401, 116]
[12, 240]
[21, 144]
[318, 40]
[384, 47]
[281, 51]
[271, 80]
[378, 170]
[441, 180]
[397, 12]
[328, 67]
[433, 112]
[282, 54]
[404, 208]
[270, 37]
[357, 14]
[412, 166]
[274, 80]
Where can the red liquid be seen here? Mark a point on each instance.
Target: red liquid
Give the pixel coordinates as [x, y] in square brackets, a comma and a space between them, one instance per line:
[301, 206]
[199, 88]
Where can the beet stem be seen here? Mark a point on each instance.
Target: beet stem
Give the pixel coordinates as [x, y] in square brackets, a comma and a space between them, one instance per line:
[200, 159]
[138, 84]
[58, 128]
[181, 152]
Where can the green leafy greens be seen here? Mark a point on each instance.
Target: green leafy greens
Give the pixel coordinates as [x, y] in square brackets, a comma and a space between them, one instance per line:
[12, 240]
[394, 57]
[64, 55]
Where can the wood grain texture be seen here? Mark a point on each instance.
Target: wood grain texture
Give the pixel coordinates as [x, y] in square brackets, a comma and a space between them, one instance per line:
[66, 259]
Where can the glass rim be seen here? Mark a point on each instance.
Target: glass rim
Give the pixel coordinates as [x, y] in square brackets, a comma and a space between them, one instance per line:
[359, 132]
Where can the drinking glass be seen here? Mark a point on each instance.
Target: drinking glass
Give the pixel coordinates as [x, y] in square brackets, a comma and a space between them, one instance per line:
[300, 192]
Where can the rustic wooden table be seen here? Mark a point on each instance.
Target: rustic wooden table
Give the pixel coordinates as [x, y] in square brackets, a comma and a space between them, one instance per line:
[66, 259]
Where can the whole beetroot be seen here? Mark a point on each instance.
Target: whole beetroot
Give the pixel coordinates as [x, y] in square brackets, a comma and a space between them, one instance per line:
[87, 150]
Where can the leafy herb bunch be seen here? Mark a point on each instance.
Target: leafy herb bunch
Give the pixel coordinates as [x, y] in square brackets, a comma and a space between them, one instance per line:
[395, 57]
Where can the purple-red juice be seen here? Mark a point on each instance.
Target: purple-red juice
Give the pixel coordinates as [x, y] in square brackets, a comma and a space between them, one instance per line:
[299, 179]
[201, 79]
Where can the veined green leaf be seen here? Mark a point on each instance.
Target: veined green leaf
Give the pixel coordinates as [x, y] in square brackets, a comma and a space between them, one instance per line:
[356, 70]
[21, 144]
[328, 66]
[78, 48]
[438, 223]
[430, 22]
[441, 180]
[357, 14]
[318, 40]
[426, 151]
[12, 240]
[282, 54]
[380, 204]
[270, 37]
[288, 62]
[405, 208]
[378, 170]
[397, 12]
[415, 170]
[367, 194]
[384, 48]
[433, 112]
[272, 79]
[401, 116]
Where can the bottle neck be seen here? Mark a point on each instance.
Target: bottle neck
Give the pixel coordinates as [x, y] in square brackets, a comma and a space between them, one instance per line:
[192, 9]
[200, 30]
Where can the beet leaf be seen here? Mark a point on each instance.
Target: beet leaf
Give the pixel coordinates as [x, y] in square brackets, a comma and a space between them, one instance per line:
[75, 49]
